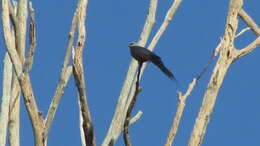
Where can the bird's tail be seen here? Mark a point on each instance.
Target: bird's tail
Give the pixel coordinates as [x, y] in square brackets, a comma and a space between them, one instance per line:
[158, 62]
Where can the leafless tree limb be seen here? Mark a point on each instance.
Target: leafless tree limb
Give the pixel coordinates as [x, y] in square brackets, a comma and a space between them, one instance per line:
[14, 112]
[120, 112]
[13, 11]
[213, 54]
[242, 32]
[136, 117]
[64, 77]
[78, 73]
[126, 93]
[179, 112]
[182, 98]
[15, 44]
[168, 17]
[20, 29]
[226, 57]
[149, 23]
[32, 37]
[130, 109]
[24, 80]
[6, 96]
[80, 83]
[82, 133]
[248, 49]
[249, 21]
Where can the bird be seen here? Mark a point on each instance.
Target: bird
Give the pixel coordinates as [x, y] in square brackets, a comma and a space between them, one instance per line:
[142, 55]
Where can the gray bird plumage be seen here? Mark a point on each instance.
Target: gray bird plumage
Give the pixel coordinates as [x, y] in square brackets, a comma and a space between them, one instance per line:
[142, 55]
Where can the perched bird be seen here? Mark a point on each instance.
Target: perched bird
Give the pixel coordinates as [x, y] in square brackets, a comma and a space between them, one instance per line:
[142, 55]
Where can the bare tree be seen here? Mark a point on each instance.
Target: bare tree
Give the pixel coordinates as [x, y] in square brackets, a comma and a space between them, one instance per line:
[14, 19]
[18, 64]
[227, 55]
[127, 95]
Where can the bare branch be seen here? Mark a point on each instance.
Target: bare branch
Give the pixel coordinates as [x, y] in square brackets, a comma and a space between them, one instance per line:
[182, 98]
[179, 112]
[224, 61]
[248, 49]
[249, 21]
[119, 116]
[136, 117]
[8, 37]
[20, 29]
[14, 116]
[4, 114]
[24, 80]
[242, 31]
[130, 109]
[219, 47]
[80, 83]
[64, 77]
[78, 73]
[149, 22]
[13, 10]
[120, 112]
[168, 18]
[55, 101]
[82, 133]
[14, 107]
[32, 36]
[213, 54]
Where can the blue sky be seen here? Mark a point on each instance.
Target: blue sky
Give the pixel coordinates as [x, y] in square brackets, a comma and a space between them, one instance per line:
[185, 48]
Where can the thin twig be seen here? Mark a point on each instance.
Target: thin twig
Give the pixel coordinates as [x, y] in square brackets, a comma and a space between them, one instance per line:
[182, 98]
[167, 19]
[130, 108]
[249, 21]
[32, 37]
[179, 112]
[213, 54]
[64, 77]
[136, 117]
[242, 32]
